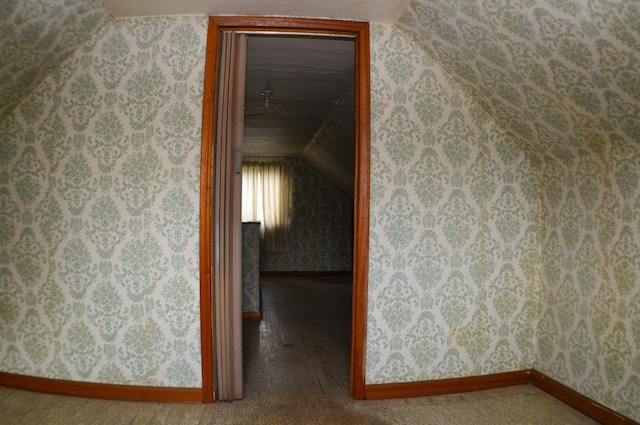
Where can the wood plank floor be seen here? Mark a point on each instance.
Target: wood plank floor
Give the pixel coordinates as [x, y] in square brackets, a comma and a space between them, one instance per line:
[297, 372]
[302, 346]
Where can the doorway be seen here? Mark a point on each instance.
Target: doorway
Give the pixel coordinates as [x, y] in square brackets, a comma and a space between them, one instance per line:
[217, 228]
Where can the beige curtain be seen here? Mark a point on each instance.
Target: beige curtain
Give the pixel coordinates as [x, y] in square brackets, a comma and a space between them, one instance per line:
[252, 193]
[266, 195]
[226, 227]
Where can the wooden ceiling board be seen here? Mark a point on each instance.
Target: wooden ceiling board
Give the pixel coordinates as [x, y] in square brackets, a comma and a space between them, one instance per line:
[307, 76]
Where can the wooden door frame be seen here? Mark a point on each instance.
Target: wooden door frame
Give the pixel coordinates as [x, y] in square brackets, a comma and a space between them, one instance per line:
[360, 32]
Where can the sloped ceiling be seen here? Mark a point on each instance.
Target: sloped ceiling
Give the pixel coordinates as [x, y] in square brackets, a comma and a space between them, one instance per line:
[311, 109]
[36, 36]
[306, 77]
[332, 149]
[555, 74]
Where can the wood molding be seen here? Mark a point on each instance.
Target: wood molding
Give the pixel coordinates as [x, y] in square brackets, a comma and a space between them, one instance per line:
[447, 386]
[361, 214]
[581, 403]
[294, 273]
[279, 25]
[289, 25]
[252, 315]
[206, 162]
[101, 391]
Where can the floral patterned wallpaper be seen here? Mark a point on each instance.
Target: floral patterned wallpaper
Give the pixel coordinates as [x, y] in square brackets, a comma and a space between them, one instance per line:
[251, 297]
[37, 36]
[99, 186]
[556, 75]
[320, 235]
[452, 258]
[562, 79]
[504, 224]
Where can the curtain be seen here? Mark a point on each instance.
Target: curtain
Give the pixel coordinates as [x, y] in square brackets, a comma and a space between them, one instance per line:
[226, 227]
[266, 188]
[252, 194]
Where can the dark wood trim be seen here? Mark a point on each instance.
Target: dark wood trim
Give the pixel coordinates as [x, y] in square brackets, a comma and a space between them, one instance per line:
[289, 25]
[447, 386]
[101, 391]
[360, 31]
[252, 315]
[206, 158]
[361, 215]
[294, 273]
[581, 403]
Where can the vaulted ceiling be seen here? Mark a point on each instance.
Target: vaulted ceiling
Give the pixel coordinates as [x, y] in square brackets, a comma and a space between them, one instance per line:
[305, 78]
[36, 36]
[556, 75]
[559, 76]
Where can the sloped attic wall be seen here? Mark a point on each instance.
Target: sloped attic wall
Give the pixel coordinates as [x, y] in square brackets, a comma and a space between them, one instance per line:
[407, 122]
[99, 187]
[332, 150]
[562, 78]
[36, 36]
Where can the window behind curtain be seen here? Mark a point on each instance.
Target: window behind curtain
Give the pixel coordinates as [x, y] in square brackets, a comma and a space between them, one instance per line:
[266, 188]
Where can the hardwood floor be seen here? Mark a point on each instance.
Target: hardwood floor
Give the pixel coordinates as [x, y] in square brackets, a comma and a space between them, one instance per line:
[302, 345]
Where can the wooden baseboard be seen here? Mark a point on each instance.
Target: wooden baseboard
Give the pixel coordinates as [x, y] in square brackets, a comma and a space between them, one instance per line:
[102, 391]
[446, 386]
[294, 273]
[251, 315]
[581, 403]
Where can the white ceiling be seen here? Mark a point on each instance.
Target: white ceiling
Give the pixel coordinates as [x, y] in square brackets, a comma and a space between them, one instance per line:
[366, 10]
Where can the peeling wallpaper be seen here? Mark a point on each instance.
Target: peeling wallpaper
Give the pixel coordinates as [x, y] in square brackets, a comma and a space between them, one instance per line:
[36, 36]
[452, 289]
[99, 186]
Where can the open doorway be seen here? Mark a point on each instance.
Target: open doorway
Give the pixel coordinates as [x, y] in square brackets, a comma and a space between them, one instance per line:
[299, 107]
[213, 227]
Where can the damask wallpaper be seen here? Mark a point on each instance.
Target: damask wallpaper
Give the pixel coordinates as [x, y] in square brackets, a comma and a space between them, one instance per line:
[561, 78]
[37, 36]
[99, 186]
[320, 236]
[504, 194]
[251, 267]
[452, 288]
[589, 330]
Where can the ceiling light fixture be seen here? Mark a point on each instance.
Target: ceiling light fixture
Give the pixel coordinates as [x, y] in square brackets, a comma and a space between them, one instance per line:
[267, 94]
